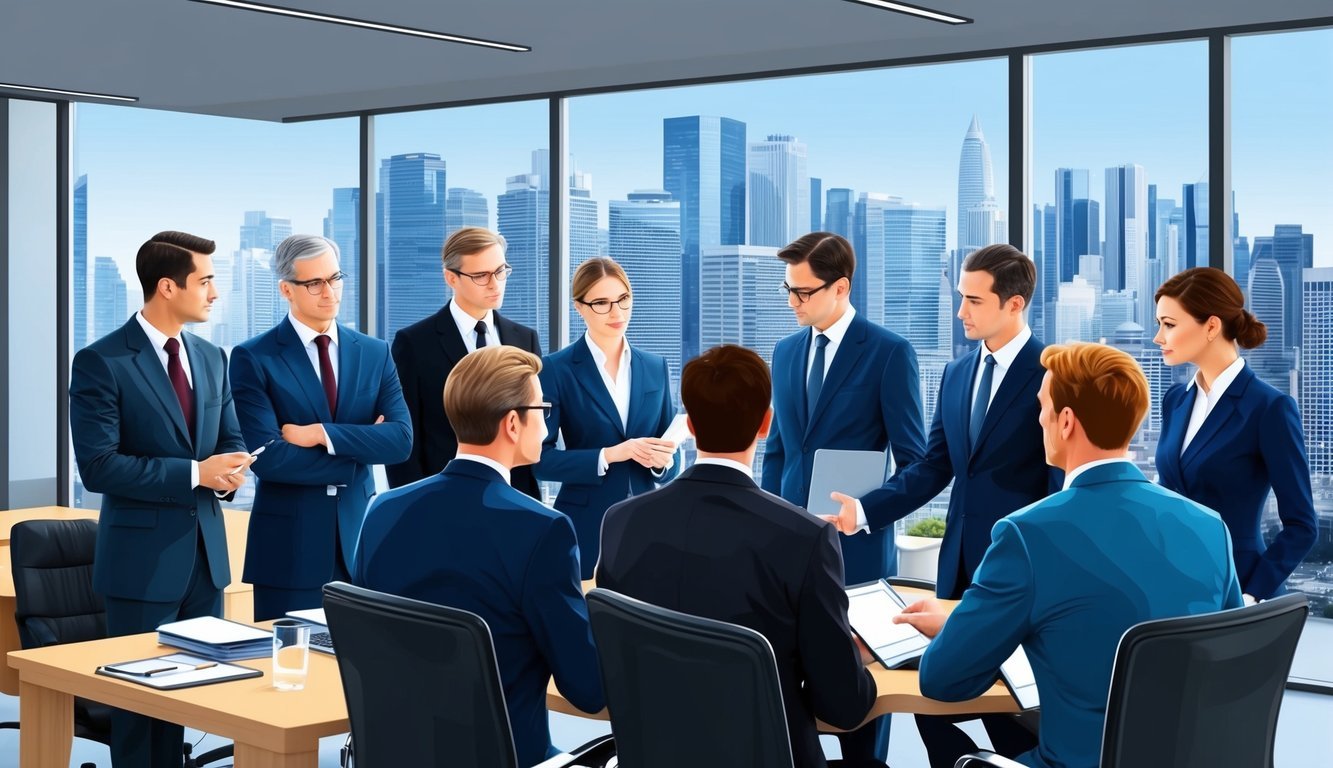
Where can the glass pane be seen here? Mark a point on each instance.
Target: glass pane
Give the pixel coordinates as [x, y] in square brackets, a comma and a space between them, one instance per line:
[243, 184]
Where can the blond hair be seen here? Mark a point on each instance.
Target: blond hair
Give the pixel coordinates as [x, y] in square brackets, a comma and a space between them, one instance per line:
[592, 270]
[485, 386]
[467, 241]
[1104, 387]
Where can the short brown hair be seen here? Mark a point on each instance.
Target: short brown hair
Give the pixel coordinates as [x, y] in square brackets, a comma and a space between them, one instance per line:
[485, 386]
[1206, 292]
[467, 241]
[1104, 387]
[1013, 271]
[830, 256]
[593, 270]
[168, 254]
[726, 391]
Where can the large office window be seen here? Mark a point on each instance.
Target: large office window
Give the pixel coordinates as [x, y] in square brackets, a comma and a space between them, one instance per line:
[695, 189]
[244, 184]
[440, 170]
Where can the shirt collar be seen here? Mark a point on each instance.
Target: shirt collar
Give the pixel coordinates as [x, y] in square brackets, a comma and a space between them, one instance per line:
[1223, 380]
[155, 337]
[308, 334]
[492, 463]
[599, 356]
[836, 331]
[736, 465]
[467, 323]
[1005, 356]
[1074, 473]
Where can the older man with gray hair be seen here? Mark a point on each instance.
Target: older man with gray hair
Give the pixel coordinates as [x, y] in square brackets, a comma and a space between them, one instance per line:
[325, 405]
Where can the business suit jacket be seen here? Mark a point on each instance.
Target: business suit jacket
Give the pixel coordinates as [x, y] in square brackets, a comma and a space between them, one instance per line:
[465, 539]
[1006, 469]
[583, 410]
[425, 353]
[133, 446]
[294, 521]
[713, 544]
[1250, 443]
[1065, 578]
[871, 400]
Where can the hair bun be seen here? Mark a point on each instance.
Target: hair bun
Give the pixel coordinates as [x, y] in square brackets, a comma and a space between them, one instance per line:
[1250, 330]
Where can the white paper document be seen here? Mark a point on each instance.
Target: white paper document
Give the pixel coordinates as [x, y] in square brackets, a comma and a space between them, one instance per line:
[677, 432]
[870, 610]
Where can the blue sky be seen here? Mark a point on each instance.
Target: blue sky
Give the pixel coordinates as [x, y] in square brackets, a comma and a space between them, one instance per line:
[895, 131]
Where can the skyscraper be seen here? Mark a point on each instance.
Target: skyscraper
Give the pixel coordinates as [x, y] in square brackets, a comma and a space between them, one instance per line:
[816, 198]
[522, 216]
[703, 167]
[1264, 297]
[464, 208]
[79, 247]
[1294, 252]
[1075, 308]
[912, 259]
[112, 305]
[741, 286]
[1071, 185]
[1127, 222]
[413, 188]
[839, 218]
[583, 237]
[779, 189]
[1194, 201]
[341, 227]
[1317, 368]
[261, 231]
[976, 186]
[645, 240]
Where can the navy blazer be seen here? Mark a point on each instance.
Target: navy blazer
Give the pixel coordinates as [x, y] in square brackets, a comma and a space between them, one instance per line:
[1250, 443]
[133, 446]
[295, 522]
[426, 353]
[713, 544]
[465, 539]
[1004, 471]
[583, 411]
[1065, 578]
[871, 400]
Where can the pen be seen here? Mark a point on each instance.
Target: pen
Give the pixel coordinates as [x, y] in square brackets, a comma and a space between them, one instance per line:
[253, 455]
[188, 668]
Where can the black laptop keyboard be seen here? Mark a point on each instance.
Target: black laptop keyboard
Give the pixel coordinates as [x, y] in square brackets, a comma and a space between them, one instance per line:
[321, 641]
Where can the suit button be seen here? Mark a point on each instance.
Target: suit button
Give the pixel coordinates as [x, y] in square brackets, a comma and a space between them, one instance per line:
[193, 513]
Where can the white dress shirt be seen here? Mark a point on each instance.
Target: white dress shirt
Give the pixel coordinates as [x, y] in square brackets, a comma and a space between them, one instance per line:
[492, 463]
[1204, 402]
[619, 389]
[835, 333]
[1080, 469]
[467, 327]
[159, 340]
[736, 465]
[308, 336]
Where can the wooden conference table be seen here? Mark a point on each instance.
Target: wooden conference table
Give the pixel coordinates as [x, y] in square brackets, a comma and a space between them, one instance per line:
[237, 598]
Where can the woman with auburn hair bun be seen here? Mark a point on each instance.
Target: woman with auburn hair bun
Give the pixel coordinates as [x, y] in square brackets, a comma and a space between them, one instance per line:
[1228, 437]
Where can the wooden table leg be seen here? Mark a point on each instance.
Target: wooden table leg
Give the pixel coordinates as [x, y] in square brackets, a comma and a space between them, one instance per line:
[46, 727]
[248, 756]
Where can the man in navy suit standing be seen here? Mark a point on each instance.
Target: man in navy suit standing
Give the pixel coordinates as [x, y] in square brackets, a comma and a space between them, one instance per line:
[326, 402]
[467, 539]
[155, 433]
[984, 437]
[846, 383]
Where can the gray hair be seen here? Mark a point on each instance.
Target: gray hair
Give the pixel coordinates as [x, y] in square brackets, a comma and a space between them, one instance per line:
[298, 248]
[467, 241]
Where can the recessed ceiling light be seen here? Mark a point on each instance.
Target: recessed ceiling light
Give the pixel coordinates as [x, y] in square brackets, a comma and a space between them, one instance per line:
[278, 10]
[63, 92]
[915, 10]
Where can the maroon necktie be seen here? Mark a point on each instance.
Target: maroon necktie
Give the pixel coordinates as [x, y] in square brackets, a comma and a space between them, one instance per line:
[326, 373]
[176, 372]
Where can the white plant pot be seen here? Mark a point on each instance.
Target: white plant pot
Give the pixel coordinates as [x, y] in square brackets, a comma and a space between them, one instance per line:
[918, 557]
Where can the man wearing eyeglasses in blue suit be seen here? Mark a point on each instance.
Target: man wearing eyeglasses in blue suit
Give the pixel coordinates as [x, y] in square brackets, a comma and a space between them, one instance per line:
[845, 383]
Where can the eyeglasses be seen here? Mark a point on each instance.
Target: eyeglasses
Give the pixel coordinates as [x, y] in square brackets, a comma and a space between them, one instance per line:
[316, 286]
[545, 408]
[603, 306]
[485, 278]
[803, 294]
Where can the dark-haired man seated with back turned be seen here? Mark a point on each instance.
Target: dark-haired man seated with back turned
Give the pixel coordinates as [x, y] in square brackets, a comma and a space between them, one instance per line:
[713, 544]
[1066, 576]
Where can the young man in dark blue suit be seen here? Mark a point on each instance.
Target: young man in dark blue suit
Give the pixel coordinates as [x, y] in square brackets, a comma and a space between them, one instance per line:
[325, 400]
[985, 438]
[845, 383]
[155, 433]
[712, 544]
[466, 539]
[1065, 577]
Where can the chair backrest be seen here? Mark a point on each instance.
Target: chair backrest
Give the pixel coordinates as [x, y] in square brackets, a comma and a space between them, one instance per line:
[421, 681]
[684, 690]
[1202, 690]
[52, 563]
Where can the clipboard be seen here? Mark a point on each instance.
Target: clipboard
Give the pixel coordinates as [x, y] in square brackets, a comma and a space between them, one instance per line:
[176, 670]
[1016, 672]
[870, 610]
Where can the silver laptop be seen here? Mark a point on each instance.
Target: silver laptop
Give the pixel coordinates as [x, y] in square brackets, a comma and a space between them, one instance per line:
[319, 628]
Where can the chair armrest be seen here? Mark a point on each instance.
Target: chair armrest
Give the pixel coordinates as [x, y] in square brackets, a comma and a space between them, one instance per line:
[978, 759]
[594, 754]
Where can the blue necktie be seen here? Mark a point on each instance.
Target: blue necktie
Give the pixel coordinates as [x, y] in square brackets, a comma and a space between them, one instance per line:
[816, 380]
[981, 403]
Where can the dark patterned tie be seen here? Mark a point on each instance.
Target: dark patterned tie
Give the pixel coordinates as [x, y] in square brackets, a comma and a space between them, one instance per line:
[481, 334]
[815, 383]
[326, 373]
[176, 372]
[982, 402]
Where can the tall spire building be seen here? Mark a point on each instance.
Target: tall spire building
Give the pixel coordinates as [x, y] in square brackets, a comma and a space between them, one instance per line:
[976, 187]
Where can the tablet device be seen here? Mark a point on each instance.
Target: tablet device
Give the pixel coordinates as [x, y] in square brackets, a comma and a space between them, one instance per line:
[854, 473]
[1017, 675]
[871, 608]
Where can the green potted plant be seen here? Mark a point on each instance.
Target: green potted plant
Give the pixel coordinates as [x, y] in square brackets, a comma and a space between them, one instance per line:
[919, 549]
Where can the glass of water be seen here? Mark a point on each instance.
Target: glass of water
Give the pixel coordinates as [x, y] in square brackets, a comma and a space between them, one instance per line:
[291, 654]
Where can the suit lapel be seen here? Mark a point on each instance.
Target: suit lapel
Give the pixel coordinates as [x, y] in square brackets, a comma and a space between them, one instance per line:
[588, 377]
[202, 368]
[795, 369]
[1026, 365]
[1173, 437]
[1217, 418]
[294, 355]
[350, 352]
[848, 355]
[454, 348]
[639, 413]
[155, 376]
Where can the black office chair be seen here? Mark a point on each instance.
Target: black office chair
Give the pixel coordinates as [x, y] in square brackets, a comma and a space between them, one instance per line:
[422, 684]
[1196, 691]
[684, 690]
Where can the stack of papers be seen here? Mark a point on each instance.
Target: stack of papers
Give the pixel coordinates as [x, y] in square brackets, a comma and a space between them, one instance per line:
[217, 639]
